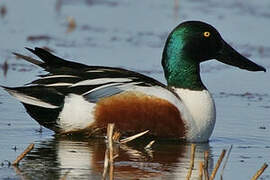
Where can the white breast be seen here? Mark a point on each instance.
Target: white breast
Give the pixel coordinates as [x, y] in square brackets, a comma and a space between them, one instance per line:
[201, 106]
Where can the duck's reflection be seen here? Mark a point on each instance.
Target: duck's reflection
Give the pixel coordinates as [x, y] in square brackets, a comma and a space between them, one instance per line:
[77, 159]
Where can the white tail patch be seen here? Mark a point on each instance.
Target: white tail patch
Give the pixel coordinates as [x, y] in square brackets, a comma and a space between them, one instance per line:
[76, 113]
[101, 81]
[30, 100]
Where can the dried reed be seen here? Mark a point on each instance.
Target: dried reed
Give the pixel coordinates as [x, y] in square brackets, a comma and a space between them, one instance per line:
[212, 177]
[193, 148]
[23, 154]
[259, 172]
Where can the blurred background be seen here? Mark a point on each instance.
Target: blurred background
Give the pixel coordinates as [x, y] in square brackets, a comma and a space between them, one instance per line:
[131, 34]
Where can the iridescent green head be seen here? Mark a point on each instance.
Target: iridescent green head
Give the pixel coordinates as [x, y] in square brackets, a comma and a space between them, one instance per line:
[191, 43]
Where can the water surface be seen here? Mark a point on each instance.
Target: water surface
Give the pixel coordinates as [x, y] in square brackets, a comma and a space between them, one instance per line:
[131, 34]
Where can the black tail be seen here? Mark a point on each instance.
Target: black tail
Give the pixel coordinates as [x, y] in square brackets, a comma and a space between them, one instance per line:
[52, 63]
[42, 103]
[44, 116]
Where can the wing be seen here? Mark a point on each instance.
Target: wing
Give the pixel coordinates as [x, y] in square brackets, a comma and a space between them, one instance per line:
[93, 82]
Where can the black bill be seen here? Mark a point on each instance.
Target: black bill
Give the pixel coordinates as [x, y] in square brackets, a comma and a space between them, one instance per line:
[230, 56]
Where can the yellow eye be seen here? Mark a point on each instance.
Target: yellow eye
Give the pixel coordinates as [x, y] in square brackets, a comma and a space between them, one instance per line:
[206, 34]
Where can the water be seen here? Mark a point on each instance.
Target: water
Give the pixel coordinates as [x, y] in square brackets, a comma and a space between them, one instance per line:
[131, 34]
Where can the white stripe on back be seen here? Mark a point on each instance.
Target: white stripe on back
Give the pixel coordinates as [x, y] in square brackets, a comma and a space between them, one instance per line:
[93, 71]
[58, 84]
[119, 85]
[101, 81]
[100, 87]
[100, 70]
[58, 76]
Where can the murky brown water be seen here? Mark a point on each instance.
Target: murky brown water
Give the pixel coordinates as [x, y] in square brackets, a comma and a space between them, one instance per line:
[131, 34]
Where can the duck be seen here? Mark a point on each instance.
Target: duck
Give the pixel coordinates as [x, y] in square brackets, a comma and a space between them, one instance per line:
[77, 99]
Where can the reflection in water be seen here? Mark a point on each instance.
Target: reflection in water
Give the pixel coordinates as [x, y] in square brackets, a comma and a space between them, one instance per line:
[75, 159]
[5, 67]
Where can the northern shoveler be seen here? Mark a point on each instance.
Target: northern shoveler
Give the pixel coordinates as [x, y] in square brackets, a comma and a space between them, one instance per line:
[75, 98]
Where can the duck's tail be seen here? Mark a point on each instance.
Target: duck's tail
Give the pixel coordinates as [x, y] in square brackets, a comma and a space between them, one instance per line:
[42, 103]
[50, 62]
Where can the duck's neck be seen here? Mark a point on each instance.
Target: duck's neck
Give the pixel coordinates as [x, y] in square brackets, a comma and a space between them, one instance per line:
[181, 70]
[184, 75]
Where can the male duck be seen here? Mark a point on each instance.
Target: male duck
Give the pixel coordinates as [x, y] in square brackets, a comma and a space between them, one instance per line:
[74, 98]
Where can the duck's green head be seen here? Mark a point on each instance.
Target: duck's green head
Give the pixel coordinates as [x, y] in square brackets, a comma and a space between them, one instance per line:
[191, 43]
